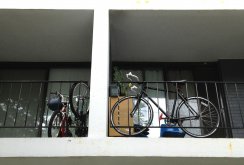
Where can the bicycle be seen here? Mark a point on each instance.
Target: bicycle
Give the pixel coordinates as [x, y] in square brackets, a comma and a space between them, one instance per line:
[61, 123]
[196, 116]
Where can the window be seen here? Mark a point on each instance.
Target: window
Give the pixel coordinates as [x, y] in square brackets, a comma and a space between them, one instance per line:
[21, 103]
[24, 95]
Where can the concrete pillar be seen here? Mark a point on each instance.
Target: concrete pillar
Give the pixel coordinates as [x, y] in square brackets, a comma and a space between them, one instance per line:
[99, 75]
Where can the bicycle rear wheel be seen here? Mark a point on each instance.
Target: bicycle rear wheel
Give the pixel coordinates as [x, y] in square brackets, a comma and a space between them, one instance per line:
[128, 125]
[79, 98]
[204, 123]
[59, 127]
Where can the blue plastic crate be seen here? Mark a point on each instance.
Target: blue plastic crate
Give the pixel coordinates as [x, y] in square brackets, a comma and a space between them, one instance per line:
[171, 131]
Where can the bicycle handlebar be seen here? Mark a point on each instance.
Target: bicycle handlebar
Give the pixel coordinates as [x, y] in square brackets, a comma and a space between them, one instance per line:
[129, 76]
[63, 97]
[56, 93]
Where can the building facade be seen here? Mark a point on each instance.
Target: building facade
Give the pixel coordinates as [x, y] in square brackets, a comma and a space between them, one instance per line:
[50, 44]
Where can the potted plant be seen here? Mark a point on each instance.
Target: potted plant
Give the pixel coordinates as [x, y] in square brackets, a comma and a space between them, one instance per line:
[119, 78]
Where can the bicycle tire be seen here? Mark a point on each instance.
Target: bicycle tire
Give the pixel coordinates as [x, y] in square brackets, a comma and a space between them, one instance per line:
[79, 98]
[54, 126]
[205, 125]
[126, 125]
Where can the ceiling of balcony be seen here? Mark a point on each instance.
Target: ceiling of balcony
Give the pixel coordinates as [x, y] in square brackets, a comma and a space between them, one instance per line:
[46, 35]
[152, 35]
[177, 36]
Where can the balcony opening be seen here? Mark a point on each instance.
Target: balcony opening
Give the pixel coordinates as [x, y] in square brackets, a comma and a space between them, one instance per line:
[43, 53]
[162, 48]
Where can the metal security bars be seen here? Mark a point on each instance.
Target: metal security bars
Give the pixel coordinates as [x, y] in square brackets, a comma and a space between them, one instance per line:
[194, 108]
[23, 106]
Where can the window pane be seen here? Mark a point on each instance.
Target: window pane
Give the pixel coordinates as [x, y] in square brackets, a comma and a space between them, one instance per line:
[21, 103]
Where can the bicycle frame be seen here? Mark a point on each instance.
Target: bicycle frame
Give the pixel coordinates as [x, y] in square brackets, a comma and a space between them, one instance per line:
[64, 122]
[171, 117]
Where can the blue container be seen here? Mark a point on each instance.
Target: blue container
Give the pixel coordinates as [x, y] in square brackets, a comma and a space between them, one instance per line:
[171, 131]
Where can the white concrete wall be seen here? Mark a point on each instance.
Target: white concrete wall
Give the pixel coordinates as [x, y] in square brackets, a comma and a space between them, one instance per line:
[97, 144]
[99, 75]
[123, 4]
[131, 147]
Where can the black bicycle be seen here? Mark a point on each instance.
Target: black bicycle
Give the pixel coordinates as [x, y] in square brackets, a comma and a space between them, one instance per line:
[196, 116]
[64, 124]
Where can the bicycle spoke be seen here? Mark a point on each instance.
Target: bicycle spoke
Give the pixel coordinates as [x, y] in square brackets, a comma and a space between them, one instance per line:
[210, 116]
[207, 121]
[126, 124]
[207, 110]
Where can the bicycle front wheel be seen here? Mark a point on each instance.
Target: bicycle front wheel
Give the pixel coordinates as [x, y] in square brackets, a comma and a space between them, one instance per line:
[59, 127]
[198, 117]
[79, 98]
[128, 125]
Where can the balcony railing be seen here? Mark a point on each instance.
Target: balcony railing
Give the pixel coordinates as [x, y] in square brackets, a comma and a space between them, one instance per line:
[23, 107]
[219, 108]
[24, 111]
